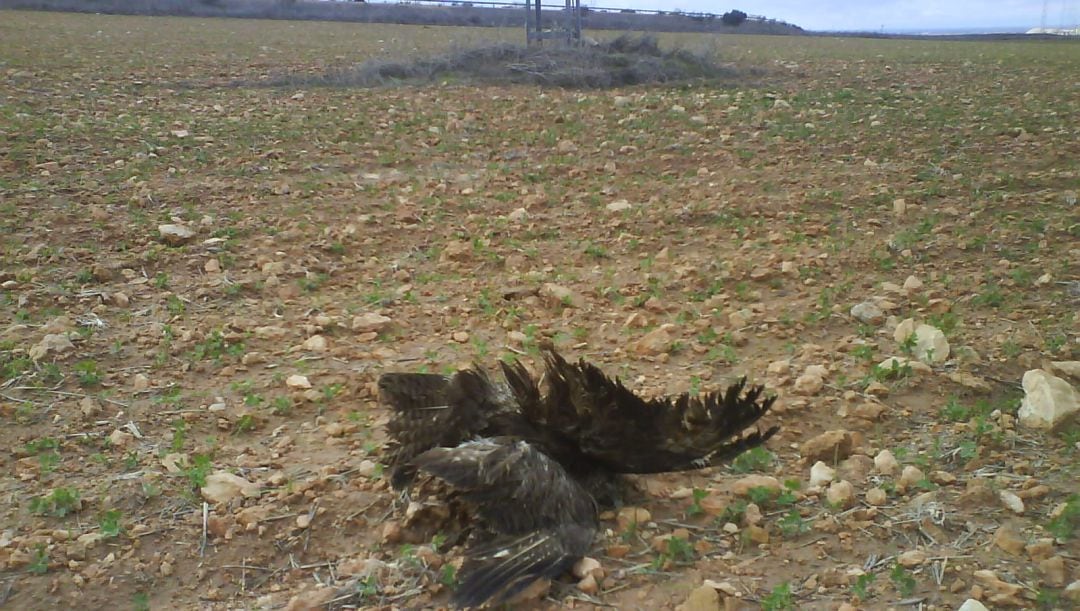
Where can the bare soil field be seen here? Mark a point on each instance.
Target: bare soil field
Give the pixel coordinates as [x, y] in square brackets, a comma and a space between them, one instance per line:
[189, 411]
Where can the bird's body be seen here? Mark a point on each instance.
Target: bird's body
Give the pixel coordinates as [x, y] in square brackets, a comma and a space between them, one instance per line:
[533, 463]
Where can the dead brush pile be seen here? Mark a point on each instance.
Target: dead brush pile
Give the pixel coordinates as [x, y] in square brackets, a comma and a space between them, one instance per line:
[625, 61]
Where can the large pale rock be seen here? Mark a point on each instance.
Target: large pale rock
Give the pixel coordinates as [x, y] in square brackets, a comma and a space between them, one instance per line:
[900, 362]
[456, 251]
[876, 497]
[830, 446]
[868, 312]
[912, 558]
[586, 566]
[1066, 369]
[703, 598]
[841, 494]
[558, 295]
[1072, 591]
[1011, 501]
[809, 383]
[175, 235]
[886, 463]
[743, 486]
[222, 487]
[298, 381]
[657, 341]
[972, 605]
[855, 468]
[316, 343]
[1009, 539]
[1049, 401]
[821, 474]
[998, 592]
[1053, 570]
[912, 284]
[53, 343]
[909, 477]
[371, 322]
[630, 516]
[930, 347]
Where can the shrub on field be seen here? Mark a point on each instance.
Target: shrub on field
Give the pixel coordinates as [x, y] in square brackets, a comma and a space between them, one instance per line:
[626, 60]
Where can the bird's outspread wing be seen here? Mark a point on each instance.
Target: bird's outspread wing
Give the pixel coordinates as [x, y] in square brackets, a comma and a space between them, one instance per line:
[627, 434]
[429, 410]
[536, 520]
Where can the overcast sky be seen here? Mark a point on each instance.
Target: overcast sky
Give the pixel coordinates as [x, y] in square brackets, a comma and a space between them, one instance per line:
[872, 15]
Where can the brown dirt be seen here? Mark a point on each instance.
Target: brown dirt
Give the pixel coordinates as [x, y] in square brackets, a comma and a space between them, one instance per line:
[757, 217]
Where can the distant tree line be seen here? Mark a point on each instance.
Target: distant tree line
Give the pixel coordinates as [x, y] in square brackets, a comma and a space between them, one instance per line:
[463, 14]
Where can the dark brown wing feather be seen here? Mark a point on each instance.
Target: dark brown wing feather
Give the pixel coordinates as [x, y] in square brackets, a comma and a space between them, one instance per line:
[429, 411]
[627, 434]
[538, 519]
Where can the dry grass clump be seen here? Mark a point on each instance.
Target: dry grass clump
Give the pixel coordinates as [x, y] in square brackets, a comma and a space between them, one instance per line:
[626, 60]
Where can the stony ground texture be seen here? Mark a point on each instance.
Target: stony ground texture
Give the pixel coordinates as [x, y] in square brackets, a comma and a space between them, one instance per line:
[202, 281]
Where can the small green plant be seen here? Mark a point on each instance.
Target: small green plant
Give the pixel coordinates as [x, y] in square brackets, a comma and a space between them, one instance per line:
[332, 390]
[895, 371]
[595, 251]
[793, 524]
[174, 305]
[39, 562]
[58, 503]
[281, 405]
[1065, 524]
[732, 513]
[485, 303]
[312, 282]
[109, 523]
[946, 321]
[215, 347]
[45, 450]
[865, 352]
[448, 575]
[679, 550]
[48, 461]
[902, 579]
[198, 470]
[179, 435]
[697, 495]
[51, 374]
[161, 280]
[761, 495]
[908, 345]
[991, 297]
[757, 459]
[861, 587]
[1046, 598]
[41, 445]
[779, 599]
[955, 411]
[13, 367]
[1011, 349]
[88, 373]
[140, 601]
[244, 424]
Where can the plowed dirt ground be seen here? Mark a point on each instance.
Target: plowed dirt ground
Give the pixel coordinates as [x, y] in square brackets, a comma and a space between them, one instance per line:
[679, 237]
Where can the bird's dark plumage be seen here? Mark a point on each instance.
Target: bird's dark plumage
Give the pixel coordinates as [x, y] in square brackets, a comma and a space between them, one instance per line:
[535, 520]
[532, 459]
